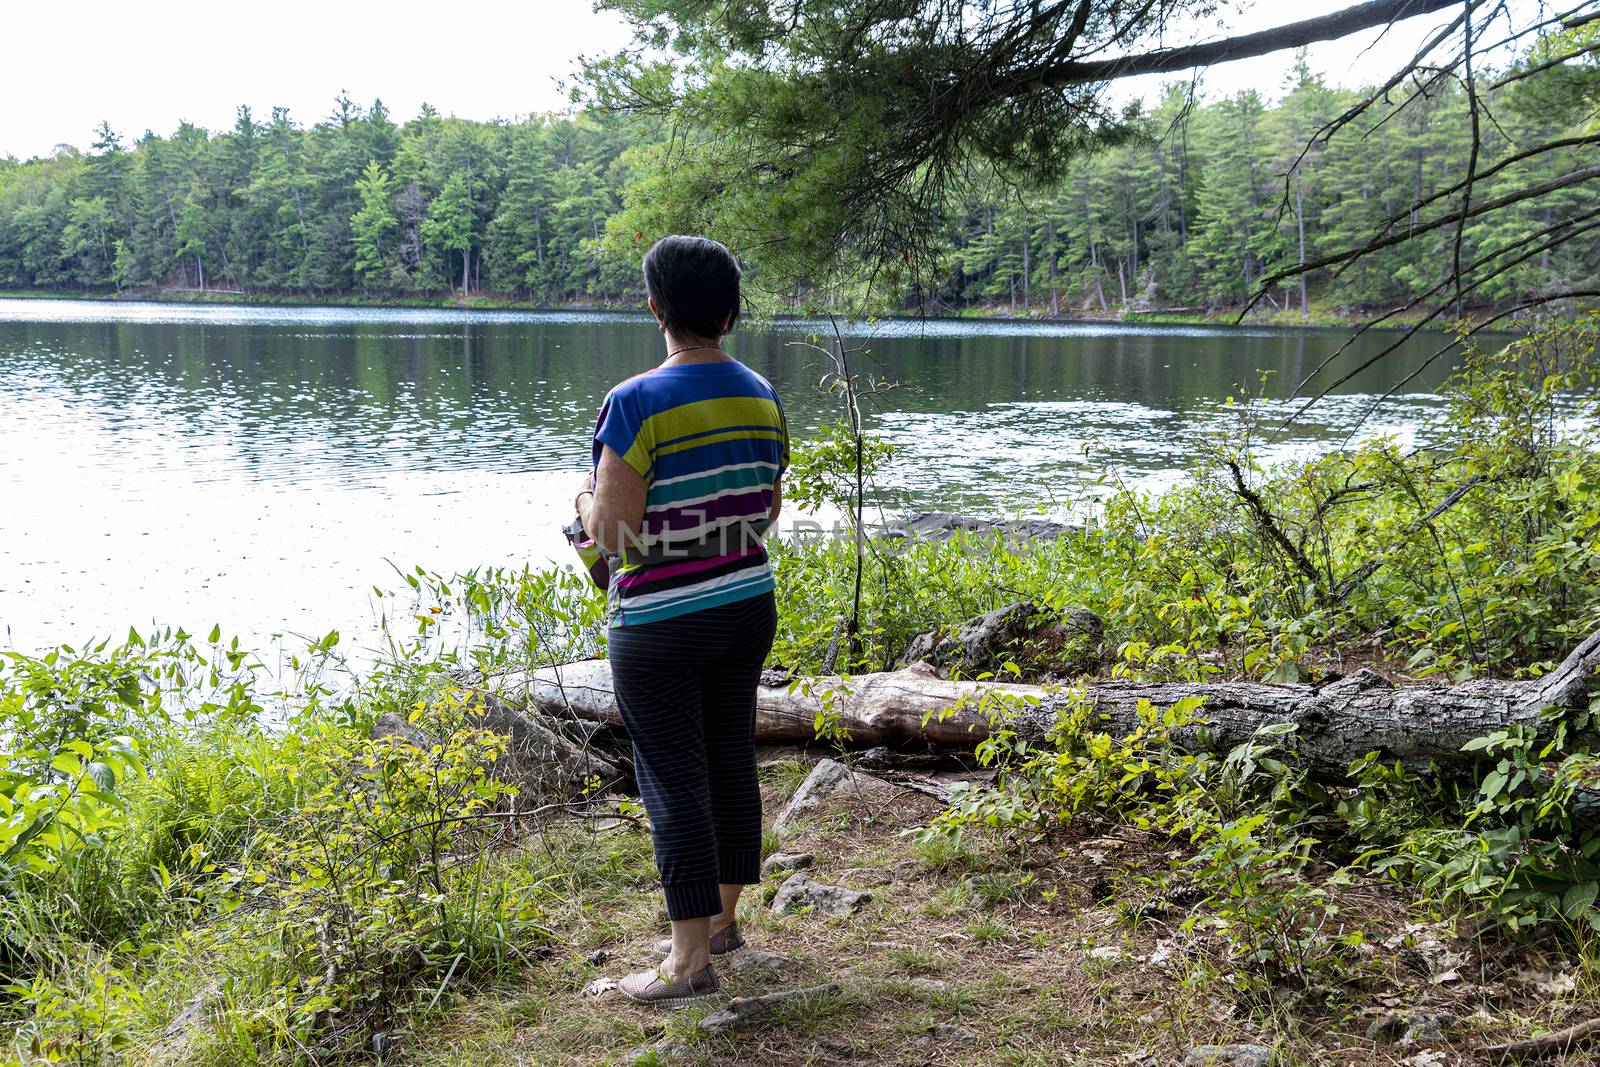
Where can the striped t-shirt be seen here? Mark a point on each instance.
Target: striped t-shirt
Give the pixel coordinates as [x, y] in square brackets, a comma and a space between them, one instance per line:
[711, 442]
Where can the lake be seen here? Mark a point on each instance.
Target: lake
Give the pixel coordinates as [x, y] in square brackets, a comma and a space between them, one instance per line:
[266, 467]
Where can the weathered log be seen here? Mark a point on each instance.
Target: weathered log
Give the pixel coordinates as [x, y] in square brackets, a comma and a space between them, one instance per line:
[1335, 723]
[1344, 720]
[877, 709]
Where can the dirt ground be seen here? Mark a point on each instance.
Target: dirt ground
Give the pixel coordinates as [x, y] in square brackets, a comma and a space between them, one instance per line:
[1051, 952]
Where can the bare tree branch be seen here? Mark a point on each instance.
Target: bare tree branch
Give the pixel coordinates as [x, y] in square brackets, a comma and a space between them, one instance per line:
[1542, 67]
[1540, 189]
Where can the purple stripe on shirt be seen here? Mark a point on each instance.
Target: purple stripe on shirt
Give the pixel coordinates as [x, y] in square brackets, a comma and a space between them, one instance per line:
[668, 570]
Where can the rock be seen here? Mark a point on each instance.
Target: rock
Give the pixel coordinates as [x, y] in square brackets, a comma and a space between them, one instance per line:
[1426, 1027]
[1219, 1055]
[827, 779]
[657, 1055]
[799, 892]
[951, 1034]
[1409, 1027]
[545, 758]
[391, 725]
[754, 961]
[1038, 640]
[748, 1011]
[786, 863]
[943, 525]
[1386, 1029]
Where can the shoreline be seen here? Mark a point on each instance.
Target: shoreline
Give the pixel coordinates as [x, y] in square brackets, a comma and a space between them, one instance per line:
[1221, 317]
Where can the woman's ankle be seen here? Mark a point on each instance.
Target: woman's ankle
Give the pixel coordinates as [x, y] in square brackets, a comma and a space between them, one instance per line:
[678, 968]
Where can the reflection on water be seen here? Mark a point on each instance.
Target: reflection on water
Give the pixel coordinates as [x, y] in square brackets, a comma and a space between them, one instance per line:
[263, 466]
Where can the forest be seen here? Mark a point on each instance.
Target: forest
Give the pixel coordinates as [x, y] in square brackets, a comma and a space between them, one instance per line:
[1196, 204]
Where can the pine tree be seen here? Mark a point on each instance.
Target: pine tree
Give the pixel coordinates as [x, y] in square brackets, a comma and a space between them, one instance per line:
[373, 230]
[449, 224]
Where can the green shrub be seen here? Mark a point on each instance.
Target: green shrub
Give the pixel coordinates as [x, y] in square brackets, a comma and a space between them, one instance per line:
[382, 877]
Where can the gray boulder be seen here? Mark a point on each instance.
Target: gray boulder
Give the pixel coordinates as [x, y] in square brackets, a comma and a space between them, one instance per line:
[786, 863]
[799, 892]
[828, 779]
[1040, 641]
[1409, 1027]
[950, 1033]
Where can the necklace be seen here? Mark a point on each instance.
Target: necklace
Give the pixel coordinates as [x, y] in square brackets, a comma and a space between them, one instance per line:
[690, 348]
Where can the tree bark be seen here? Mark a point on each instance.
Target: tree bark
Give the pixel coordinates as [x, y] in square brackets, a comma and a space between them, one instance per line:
[1336, 723]
[1300, 223]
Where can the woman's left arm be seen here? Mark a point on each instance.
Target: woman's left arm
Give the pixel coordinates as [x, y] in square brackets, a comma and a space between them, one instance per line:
[614, 512]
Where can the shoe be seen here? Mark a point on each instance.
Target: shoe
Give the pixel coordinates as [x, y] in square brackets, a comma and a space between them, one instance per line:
[654, 989]
[723, 942]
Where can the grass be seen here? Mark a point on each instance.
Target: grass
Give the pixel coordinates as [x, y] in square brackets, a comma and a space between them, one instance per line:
[986, 934]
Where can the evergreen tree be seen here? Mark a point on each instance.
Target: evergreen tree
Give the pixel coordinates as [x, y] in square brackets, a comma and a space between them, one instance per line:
[449, 224]
[373, 231]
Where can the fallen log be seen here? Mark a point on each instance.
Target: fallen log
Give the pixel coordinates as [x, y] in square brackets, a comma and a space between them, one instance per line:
[877, 709]
[1539, 1048]
[1336, 723]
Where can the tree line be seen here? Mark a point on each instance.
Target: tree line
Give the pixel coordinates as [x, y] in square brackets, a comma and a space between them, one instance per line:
[1193, 210]
[1221, 196]
[353, 203]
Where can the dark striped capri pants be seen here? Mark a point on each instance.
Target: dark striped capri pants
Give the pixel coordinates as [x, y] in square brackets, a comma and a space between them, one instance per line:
[686, 687]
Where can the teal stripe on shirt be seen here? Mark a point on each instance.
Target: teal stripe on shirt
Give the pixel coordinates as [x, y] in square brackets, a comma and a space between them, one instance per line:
[691, 488]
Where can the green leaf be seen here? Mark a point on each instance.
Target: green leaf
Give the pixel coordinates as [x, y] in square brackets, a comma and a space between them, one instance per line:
[1579, 899]
[67, 763]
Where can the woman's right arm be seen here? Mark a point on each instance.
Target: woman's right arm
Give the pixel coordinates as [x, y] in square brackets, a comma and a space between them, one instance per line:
[613, 514]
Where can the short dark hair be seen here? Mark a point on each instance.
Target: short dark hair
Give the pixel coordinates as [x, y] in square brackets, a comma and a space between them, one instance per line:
[694, 282]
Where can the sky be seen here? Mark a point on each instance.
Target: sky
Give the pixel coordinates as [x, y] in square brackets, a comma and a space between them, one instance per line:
[66, 65]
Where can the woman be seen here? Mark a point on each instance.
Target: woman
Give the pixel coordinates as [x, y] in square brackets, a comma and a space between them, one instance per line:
[688, 461]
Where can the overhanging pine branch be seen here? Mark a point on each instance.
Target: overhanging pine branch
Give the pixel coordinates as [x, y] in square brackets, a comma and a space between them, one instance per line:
[1280, 38]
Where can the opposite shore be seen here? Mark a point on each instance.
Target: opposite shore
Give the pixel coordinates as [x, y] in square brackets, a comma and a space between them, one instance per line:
[1323, 316]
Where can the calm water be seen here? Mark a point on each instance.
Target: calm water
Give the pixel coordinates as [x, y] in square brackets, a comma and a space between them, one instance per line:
[265, 468]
